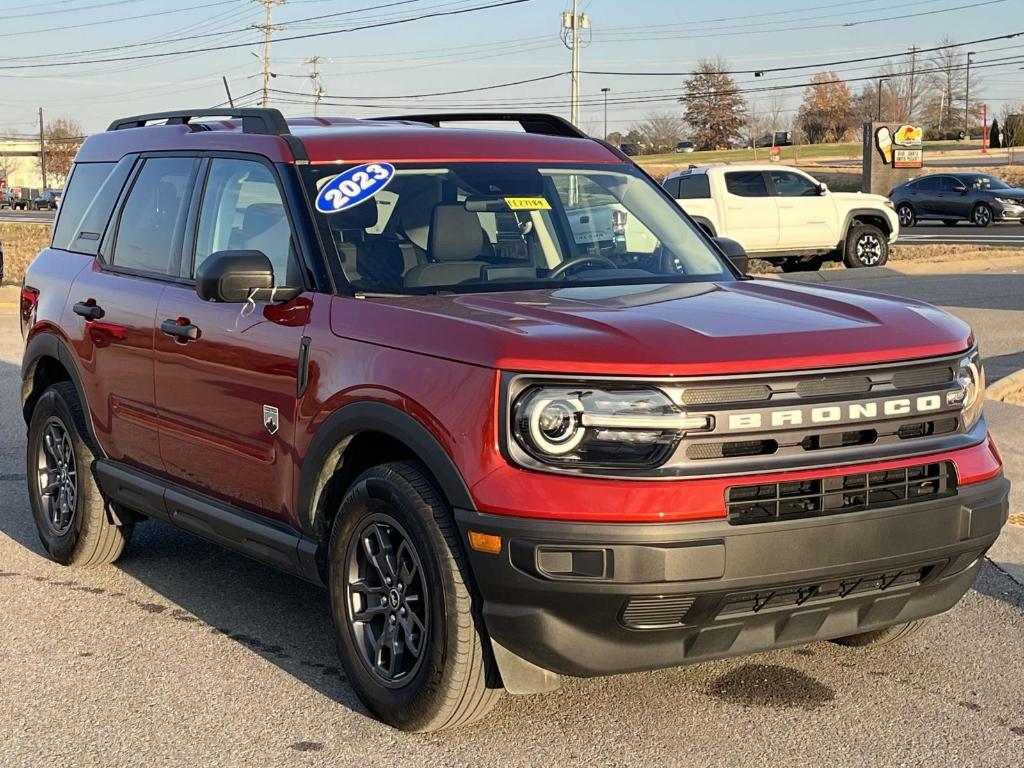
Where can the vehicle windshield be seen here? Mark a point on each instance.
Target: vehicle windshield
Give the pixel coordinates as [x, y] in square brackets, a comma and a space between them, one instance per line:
[984, 181]
[472, 227]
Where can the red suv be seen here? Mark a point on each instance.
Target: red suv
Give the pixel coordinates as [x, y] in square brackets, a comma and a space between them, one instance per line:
[499, 395]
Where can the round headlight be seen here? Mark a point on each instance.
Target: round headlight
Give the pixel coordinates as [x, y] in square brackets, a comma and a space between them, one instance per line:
[553, 423]
[971, 375]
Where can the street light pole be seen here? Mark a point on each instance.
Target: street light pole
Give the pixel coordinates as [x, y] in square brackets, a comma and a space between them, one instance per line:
[605, 92]
[967, 99]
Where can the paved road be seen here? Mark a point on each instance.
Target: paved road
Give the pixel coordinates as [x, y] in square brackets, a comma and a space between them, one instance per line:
[6, 214]
[185, 654]
[1005, 234]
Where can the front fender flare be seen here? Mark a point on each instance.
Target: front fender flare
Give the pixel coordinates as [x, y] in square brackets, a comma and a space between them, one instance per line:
[327, 446]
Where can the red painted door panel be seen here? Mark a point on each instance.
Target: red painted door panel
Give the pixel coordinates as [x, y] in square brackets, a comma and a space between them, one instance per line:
[115, 357]
[211, 394]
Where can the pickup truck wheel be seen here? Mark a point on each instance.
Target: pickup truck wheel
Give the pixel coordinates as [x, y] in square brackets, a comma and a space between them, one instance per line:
[885, 636]
[69, 510]
[906, 215]
[866, 246]
[981, 215]
[407, 623]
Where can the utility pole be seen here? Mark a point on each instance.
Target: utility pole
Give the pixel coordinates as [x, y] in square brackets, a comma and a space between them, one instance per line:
[314, 75]
[880, 81]
[572, 22]
[967, 99]
[231, 101]
[268, 28]
[913, 74]
[605, 91]
[42, 148]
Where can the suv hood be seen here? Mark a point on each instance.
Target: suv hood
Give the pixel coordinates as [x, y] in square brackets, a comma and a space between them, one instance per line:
[665, 329]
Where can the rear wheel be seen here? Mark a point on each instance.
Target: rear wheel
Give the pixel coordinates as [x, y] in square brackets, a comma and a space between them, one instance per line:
[866, 246]
[408, 627]
[981, 215]
[886, 636]
[906, 214]
[69, 510]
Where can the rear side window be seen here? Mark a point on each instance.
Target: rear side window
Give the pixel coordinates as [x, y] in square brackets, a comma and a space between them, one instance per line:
[152, 217]
[672, 186]
[746, 184]
[89, 191]
[694, 187]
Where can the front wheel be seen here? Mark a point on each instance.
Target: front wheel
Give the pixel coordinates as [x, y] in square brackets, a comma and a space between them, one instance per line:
[885, 636]
[69, 511]
[408, 625]
[981, 215]
[866, 246]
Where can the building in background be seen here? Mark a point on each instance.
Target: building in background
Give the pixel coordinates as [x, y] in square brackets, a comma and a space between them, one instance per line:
[19, 163]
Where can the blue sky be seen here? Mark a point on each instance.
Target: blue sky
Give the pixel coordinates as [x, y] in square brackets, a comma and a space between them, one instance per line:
[455, 52]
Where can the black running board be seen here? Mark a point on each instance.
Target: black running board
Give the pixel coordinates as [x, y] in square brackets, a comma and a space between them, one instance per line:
[268, 541]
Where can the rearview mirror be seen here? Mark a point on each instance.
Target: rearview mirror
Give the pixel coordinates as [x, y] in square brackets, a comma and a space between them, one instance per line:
[234, 277]
[735, 252]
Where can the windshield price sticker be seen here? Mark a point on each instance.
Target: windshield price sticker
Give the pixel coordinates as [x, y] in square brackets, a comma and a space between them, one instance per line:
[354, 186]
[528, 203]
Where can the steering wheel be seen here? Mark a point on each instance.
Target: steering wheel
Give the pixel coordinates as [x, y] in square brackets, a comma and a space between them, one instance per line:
[579, 261]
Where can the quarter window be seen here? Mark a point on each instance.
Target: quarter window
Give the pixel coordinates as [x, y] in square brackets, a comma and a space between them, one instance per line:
[153, 216]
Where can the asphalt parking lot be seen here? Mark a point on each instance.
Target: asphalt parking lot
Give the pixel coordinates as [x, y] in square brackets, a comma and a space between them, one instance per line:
[186, 654]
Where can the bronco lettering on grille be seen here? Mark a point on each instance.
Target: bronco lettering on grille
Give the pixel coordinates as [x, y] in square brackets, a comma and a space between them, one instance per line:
[836, 414]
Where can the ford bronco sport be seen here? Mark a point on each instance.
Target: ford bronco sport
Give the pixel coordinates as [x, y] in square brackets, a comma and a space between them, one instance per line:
[375, 354]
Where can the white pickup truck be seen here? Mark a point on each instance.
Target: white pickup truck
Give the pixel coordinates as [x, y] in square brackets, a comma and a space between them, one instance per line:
[783, 215]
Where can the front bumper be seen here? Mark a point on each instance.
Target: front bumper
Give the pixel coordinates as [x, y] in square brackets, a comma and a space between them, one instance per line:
[584, 599]
[1004, 212]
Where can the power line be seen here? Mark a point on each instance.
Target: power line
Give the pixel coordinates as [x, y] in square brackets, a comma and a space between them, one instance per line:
[304, 36]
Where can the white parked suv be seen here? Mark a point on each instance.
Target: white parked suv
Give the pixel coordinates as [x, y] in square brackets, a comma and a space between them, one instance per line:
[784, 215]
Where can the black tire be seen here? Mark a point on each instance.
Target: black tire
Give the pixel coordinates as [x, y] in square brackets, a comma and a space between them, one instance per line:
[866, 246]
[906, 214]
[981, 216]
[882, 637]
[797, 264]
[78, 533]
[454, 679]
[951, 222]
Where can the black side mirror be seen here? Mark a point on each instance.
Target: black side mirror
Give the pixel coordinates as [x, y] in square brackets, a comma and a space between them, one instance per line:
[733, 251]
[233, 277]
[962, 190]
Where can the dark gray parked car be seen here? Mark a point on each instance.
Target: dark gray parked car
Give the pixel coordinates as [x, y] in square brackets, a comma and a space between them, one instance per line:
[952, 197]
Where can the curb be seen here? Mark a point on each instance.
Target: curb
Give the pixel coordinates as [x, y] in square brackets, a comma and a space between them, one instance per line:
[1006, 386]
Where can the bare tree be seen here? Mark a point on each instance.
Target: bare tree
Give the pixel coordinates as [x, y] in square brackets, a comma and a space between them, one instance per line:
[714, 107]
[661, 131]
[775, 111]
[61, 139]
[1011, 120]
[755, 126]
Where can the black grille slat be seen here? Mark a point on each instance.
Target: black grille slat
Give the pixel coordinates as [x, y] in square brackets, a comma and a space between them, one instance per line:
[833, 385]
[856, 492]
[924, 376]
[658, 612]
[743, 393]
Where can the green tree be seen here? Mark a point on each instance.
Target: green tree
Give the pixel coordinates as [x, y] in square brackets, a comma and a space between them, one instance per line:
[994, 139]
[715, 110]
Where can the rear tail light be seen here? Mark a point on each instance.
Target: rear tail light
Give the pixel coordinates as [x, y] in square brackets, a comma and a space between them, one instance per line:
[619, 222]
[29, 300]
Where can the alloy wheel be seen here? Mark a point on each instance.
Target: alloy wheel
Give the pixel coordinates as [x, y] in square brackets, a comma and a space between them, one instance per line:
[982, 216]
[869, 249]
[388, 609]
[906, 214]
[57, 476]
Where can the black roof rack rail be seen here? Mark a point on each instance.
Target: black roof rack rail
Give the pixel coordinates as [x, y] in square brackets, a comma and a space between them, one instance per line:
[254, 120]
[531, 122]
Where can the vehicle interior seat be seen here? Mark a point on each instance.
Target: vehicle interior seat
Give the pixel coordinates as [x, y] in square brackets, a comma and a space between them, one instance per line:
[265, 228]
[455, 242]
[369, 260]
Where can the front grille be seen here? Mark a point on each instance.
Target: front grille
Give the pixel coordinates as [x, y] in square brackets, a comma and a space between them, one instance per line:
[658, 612]
[796, 499]
[726, 394]
[794, 595]
[832, 386]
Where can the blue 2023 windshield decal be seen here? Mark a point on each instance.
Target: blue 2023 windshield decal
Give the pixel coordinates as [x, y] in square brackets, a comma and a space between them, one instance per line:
[354, 186]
